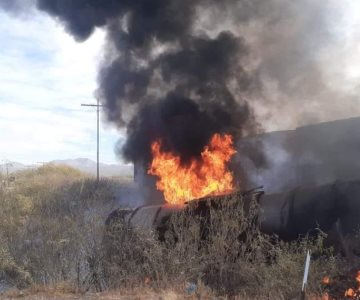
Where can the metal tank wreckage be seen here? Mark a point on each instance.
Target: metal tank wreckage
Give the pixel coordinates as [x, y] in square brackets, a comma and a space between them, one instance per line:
[323, 195]
[332, 208]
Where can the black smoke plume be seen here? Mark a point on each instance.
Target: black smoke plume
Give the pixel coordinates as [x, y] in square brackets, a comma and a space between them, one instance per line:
[161, 77]
[181, 70]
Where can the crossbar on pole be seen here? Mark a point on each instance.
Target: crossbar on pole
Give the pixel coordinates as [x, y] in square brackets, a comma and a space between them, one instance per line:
[98, 105]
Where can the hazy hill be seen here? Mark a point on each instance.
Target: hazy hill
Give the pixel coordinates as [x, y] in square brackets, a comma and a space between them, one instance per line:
[12, 167]
[89, 166]
[83, 164]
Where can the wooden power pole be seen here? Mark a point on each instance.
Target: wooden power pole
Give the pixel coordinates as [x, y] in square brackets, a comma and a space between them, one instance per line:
[98, 105]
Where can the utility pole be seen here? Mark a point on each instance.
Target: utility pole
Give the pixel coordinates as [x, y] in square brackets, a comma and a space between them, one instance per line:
[7, 164]
[98, 105]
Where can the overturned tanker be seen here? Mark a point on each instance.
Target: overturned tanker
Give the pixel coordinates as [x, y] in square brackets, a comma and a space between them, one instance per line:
[332, 208]
[158, 217]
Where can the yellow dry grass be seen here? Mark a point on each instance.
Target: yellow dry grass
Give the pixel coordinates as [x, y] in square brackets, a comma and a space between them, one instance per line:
[52, 231]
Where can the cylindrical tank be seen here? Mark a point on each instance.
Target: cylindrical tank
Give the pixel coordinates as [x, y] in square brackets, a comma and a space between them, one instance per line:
[289, 215]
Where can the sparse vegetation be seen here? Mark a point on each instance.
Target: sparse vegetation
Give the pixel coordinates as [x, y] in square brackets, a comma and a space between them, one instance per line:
[233, 260]
[51, 223]
[52, 241]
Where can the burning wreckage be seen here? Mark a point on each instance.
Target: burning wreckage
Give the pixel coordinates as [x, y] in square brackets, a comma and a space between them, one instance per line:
[207, 183]
[188, 78]
[333, 209]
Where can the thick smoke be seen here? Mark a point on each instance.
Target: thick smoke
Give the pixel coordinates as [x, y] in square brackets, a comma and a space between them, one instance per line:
[199, 105]
[163, 78]
[182, 70]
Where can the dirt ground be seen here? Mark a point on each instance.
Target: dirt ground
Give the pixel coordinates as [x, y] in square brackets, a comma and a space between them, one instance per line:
[143, 295]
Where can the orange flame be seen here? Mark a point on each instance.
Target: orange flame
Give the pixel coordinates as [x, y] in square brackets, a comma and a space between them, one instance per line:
[326, 280]
[349, 293]
[206, 176]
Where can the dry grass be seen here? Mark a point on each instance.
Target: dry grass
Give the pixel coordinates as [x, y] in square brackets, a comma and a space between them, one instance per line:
[52, 243]
[224, 251]
[51, 225]
[141, 293]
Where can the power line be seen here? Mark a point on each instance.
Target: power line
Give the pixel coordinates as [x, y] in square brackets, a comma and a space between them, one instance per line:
[98, 105]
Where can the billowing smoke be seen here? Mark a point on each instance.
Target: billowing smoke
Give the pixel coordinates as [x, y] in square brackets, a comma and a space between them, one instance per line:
[181, 70]
[163, 77]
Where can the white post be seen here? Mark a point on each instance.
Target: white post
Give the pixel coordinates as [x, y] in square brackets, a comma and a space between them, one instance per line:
[306, 274]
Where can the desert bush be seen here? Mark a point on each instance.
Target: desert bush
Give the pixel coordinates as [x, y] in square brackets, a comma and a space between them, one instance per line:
[132, 256]
[14, 274]
[52, 231]
[224, 250]
[51, 225]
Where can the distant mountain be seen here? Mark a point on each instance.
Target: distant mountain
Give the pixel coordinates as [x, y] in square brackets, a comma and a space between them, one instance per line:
[12, 167]
[83, 164]
[89, 166]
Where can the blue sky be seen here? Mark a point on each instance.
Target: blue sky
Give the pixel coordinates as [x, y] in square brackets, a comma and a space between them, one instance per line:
[45, 75]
